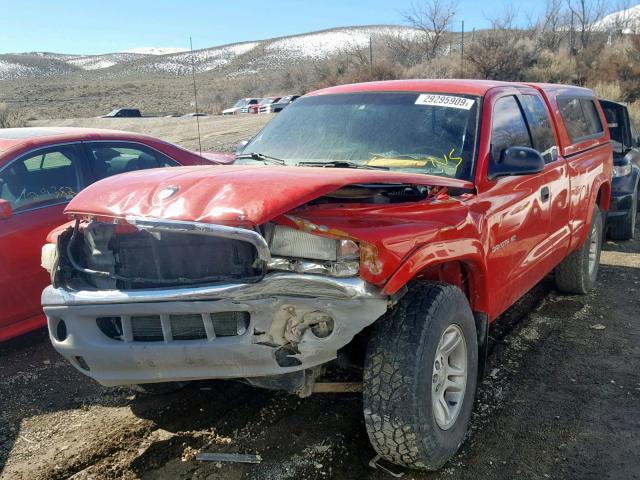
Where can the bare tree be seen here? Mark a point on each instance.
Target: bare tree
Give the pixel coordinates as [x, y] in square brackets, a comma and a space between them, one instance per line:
[586, 13]
[550, 27]
[433, 18]
[502, 52]
[622, 22]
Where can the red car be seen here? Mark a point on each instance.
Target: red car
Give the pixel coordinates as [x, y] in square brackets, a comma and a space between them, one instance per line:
[262, 103]
[422, 209]
[41, 169]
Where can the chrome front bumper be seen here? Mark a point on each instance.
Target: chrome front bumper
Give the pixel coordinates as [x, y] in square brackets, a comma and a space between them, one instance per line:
[274, 304]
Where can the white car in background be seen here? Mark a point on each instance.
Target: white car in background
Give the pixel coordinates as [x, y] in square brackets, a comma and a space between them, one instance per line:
[241, 106]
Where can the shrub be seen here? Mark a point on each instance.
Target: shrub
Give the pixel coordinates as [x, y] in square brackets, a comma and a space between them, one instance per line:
[11, 117]
[608, 91]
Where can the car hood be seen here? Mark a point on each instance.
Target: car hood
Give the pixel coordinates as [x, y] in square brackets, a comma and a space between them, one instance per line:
[227, 194]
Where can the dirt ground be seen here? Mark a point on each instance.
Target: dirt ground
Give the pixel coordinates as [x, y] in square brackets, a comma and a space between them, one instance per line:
[217, 133]
[561, 398]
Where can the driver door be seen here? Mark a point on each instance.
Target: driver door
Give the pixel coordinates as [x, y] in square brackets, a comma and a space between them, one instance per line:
[38, 186]
[519, 211]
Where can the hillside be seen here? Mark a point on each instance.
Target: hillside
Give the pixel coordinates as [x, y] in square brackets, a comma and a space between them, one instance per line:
[257, 55]
[626, 21]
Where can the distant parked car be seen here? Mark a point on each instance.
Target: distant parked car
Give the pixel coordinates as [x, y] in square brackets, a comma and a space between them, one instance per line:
[263, 103]
[241, 106]
[622, 216]
[123, 113]
[41, 169]
[278, 106]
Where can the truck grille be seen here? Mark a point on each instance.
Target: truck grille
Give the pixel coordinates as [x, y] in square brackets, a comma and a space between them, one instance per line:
[173, 259]
[174, 327]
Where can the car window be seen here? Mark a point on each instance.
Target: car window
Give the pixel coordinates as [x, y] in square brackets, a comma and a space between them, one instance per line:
[580, 117]
[111, 158]
[508, 128]
[540, 125]
[46, 177]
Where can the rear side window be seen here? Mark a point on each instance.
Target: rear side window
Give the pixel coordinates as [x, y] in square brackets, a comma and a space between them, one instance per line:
[508, 128]
[540, 125]
[580, 117]
[112, 158]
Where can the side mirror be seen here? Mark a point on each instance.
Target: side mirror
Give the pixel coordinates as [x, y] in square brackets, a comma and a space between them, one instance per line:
[5, 209]
[517, 161]
[240, 146]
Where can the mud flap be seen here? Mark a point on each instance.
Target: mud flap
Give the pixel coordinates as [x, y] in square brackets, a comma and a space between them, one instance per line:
[482, 330]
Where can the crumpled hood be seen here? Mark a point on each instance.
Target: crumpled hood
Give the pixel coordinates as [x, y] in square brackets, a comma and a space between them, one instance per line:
[233, 194]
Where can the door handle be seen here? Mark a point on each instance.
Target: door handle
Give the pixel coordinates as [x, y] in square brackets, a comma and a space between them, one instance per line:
[544, 194]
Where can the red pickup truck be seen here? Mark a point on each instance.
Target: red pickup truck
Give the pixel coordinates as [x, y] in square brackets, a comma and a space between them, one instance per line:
[402, 215]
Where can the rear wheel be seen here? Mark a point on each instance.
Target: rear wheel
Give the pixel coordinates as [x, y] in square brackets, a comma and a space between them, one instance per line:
[420, 377]
[625, 229]
[578, 272]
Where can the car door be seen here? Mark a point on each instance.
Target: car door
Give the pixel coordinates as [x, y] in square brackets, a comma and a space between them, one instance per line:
[556, 185]
[518, 213]
[38, 185]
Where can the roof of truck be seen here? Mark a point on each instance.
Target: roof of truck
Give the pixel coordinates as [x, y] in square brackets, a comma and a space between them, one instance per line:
[463, 86]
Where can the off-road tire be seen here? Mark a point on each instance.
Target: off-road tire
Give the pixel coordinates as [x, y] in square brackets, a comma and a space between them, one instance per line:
[572, 274]
[625, 228]
[157, 388]
[397, 395]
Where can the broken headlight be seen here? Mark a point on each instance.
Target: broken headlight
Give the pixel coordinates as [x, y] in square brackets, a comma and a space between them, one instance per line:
[49, 257]
[621, 170]
[297, 251]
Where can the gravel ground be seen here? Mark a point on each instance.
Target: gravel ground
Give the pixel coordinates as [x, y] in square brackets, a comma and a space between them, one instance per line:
[561, 400]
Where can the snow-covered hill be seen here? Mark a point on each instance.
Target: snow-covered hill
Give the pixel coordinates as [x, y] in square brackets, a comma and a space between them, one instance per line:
[625, 21]
[156, 50]
[248, 56]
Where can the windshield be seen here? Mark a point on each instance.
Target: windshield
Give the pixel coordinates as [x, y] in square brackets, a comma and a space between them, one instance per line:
[266, 101]
[410, 132]
[241, 103]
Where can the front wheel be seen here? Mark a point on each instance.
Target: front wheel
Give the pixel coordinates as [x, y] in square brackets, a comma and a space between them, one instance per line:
[420, 377]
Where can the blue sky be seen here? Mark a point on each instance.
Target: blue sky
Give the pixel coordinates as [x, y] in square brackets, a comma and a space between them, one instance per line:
[90, 26]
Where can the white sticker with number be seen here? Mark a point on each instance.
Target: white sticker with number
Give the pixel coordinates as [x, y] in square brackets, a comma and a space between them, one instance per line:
[445, 101]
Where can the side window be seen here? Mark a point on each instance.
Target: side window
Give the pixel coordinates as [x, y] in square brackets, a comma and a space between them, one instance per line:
[47, 177]
[580, 117]
[112, 158]
[508, 128]
[541, 131]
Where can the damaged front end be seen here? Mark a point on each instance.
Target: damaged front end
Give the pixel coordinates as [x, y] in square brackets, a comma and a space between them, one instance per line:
[139, 300]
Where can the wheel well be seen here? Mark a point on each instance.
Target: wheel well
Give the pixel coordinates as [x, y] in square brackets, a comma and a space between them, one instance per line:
[458, 273]
[603, 199]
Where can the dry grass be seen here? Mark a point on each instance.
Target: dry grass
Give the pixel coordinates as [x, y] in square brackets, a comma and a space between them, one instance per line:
[218, 133]
[10, 117]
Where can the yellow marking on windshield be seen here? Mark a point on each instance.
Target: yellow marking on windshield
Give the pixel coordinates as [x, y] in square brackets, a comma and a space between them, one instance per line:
[449, 163]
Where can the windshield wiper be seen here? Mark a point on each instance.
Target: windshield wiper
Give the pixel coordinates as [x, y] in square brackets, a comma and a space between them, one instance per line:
[340, 164]
[260, 157]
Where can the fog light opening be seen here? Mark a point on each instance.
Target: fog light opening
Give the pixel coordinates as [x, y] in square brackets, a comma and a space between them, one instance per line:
[60, 332]
[83, 364]
[322, 325]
